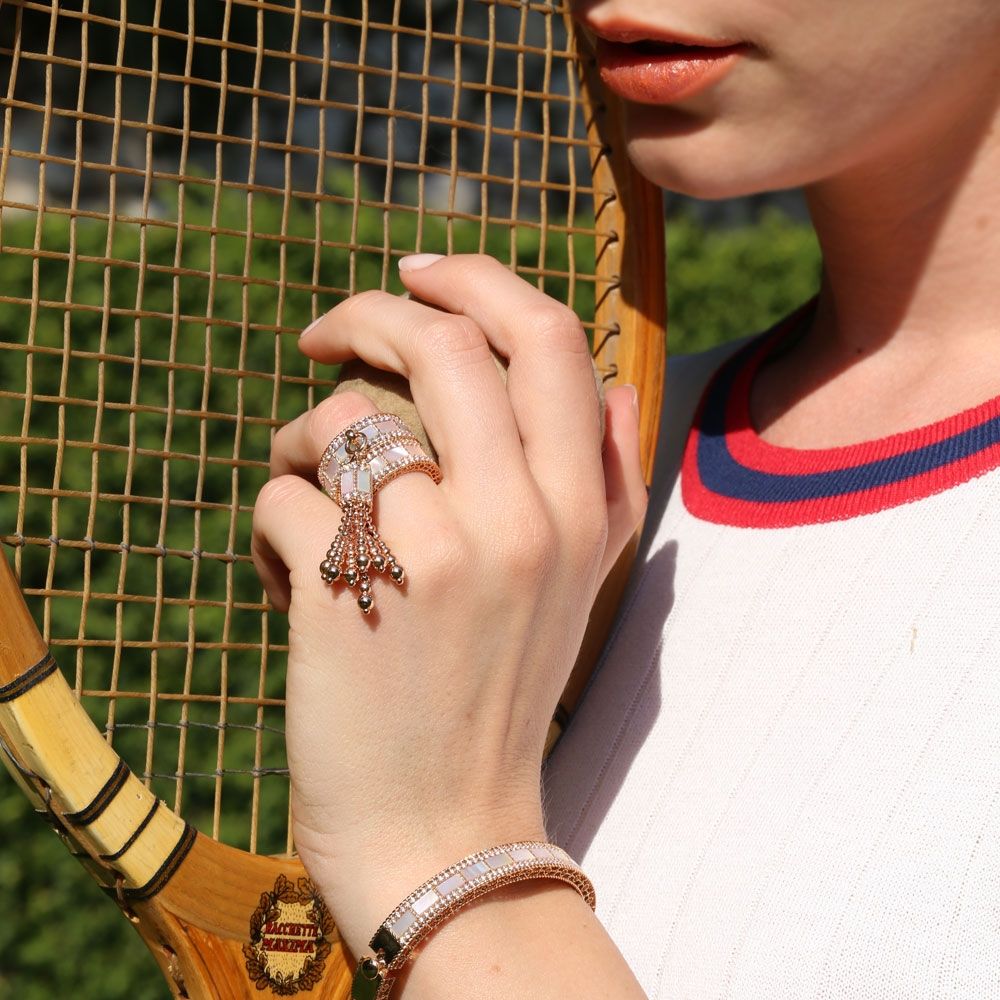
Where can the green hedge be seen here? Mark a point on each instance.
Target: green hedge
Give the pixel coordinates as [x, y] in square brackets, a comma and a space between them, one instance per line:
[61, 937]
[726, 283]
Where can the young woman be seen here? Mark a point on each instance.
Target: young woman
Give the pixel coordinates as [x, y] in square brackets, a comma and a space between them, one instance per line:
[784, 780]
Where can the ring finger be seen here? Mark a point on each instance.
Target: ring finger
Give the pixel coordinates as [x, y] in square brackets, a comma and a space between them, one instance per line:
[299, 446]
[296, 452]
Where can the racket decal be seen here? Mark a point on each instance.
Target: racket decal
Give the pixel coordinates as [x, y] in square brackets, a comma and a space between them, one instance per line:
[291, 934]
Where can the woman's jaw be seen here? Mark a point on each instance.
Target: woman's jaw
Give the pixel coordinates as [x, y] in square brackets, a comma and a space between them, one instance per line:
[722, 100]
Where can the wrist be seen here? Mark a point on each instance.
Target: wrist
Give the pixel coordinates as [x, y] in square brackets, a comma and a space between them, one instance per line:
[475, 946]
[439, 899]
[363, 884]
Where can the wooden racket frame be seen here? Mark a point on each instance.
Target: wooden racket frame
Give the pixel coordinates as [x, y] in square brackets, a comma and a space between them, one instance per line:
[190, 897]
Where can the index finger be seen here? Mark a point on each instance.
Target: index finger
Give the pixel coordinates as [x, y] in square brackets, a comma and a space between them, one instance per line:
[550, 377]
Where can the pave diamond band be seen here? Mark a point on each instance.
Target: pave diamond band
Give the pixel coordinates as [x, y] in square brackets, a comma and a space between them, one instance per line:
[368, 454]
[443, 895]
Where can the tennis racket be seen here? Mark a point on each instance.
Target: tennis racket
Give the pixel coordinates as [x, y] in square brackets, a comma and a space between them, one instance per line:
[182, 188]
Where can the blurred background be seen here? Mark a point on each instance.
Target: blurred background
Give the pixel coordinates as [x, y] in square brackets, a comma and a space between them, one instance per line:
[734, 267]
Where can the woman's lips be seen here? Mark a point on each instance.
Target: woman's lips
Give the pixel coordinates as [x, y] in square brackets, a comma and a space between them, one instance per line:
[662, 73]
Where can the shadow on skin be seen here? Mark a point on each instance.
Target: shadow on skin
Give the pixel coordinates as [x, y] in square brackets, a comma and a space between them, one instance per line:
[629, 670]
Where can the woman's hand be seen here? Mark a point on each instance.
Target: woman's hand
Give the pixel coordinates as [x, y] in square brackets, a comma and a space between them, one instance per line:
[415, 734]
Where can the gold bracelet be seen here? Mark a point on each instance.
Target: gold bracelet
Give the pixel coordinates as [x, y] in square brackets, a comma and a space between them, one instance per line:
[446, 893]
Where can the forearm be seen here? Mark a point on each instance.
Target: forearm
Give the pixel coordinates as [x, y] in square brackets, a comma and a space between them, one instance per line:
[535, 940]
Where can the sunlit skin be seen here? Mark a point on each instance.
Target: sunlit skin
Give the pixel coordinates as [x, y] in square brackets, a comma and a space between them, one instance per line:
[418, 738]
[887, 115]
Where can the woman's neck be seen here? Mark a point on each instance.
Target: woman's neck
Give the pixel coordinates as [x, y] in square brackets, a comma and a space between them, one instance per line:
[907, 329]
[911, 244]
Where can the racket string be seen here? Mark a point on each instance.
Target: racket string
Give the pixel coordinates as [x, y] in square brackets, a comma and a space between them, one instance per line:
[181, 191]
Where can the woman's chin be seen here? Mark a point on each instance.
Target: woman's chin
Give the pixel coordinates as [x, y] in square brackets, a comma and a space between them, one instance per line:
[705, 170]
[724, 149]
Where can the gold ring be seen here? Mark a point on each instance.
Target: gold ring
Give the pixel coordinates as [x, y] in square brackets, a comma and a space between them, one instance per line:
[356, 464]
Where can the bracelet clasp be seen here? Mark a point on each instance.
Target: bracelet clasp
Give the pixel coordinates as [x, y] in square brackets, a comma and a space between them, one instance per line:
[368, 978]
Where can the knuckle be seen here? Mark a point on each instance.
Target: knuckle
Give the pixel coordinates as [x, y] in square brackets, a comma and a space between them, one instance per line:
[276, 495]
[536, 555]
[444, 550]
[453, 337]
[557, 327]
[532, 545]
[361, 302]
[470, 265]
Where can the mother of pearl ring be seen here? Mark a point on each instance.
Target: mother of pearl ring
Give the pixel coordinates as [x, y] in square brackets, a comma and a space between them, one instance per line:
[360, 460]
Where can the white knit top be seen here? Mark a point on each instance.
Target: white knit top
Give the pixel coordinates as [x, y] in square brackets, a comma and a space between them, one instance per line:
[784, 779]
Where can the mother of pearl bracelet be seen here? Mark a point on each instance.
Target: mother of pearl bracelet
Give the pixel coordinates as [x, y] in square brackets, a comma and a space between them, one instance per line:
[447, 892]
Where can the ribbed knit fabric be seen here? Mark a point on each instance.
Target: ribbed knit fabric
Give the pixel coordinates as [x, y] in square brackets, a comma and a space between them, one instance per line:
[784, 779]
[733, 476]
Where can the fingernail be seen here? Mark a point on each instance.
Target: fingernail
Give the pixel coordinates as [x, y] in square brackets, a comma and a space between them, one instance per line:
[635, 398]
[312, 326]
[415, 261]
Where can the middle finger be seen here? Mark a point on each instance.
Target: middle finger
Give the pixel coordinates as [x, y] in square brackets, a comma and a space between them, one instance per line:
[456, 387]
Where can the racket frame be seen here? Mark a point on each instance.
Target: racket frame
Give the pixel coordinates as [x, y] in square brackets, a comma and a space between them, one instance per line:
[192, 898]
